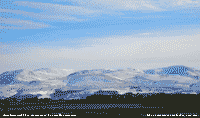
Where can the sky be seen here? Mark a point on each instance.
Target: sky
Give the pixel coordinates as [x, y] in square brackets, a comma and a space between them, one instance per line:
[94, 34]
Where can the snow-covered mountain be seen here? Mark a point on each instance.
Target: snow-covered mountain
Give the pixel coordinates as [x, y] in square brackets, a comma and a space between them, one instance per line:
[45, 82]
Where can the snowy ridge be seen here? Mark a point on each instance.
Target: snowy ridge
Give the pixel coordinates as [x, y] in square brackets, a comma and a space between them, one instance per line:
[46, 81]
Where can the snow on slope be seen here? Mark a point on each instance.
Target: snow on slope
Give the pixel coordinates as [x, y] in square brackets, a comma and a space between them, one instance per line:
[46, 81]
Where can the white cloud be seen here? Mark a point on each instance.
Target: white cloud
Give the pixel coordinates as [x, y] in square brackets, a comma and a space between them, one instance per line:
[21, 24]
[184, 2]
[148, 16]
[118, 52]
[95, 8]
[134, 5]
[178, 4]
[118, 4]
[143, 5]
[70, 12]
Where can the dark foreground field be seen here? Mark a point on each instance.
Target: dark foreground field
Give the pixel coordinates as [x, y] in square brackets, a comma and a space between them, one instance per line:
[134, 105]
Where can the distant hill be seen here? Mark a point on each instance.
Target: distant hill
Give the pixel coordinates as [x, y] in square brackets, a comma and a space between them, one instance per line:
[45, 81]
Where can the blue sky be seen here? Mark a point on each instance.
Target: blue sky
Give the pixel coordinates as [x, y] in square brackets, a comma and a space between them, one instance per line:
[87, 34]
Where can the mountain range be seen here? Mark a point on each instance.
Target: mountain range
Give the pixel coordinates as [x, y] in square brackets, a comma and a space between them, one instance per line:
[78, 84]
